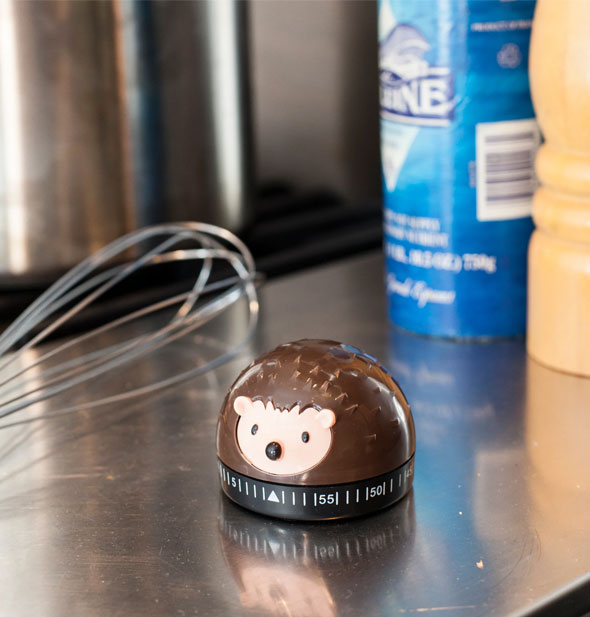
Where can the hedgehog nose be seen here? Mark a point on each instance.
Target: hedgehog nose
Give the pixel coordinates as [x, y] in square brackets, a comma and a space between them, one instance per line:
[274, 450]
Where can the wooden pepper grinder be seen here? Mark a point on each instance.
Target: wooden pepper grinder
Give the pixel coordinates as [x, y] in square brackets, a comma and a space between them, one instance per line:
[559, 252]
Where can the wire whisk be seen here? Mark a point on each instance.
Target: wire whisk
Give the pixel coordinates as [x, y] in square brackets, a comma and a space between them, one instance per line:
[24, 383]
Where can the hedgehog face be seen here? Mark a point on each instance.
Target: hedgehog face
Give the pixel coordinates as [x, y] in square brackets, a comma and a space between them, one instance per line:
[282, 442]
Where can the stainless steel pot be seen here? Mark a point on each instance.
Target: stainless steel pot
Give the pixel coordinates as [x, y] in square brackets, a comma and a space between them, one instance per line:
[116, 114]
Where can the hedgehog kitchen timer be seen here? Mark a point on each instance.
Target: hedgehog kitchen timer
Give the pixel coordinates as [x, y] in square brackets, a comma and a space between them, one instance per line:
[315, 430]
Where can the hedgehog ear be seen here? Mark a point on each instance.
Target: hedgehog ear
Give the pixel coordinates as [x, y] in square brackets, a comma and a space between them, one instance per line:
[326, 418]
[242, 405]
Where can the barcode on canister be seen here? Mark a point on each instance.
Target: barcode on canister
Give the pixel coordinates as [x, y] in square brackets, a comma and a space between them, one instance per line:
[505, 168]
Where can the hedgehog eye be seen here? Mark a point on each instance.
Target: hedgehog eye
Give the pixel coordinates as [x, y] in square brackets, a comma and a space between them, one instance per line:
[255, 429]
[305, 437]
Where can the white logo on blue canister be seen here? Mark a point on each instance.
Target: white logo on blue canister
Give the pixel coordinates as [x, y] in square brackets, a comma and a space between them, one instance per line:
[411, 90]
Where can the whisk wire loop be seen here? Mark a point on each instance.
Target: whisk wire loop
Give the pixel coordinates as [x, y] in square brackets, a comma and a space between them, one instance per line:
[88, 281]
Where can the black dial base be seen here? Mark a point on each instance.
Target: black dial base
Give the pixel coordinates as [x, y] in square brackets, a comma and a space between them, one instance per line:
[317, 503]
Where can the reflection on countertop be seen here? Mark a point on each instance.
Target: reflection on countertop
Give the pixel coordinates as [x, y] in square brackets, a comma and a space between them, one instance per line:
[557, 434]
[325, 570]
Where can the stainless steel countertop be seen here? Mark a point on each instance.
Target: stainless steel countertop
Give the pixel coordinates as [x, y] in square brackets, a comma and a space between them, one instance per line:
[119, 511]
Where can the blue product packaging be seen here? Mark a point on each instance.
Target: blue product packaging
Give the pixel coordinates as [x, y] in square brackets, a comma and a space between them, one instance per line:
[458, 142]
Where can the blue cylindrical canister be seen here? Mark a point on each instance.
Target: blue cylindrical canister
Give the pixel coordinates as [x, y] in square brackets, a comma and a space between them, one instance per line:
[458, 141]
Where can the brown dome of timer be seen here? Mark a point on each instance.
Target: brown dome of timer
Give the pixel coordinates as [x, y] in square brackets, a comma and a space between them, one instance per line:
[315, 430]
